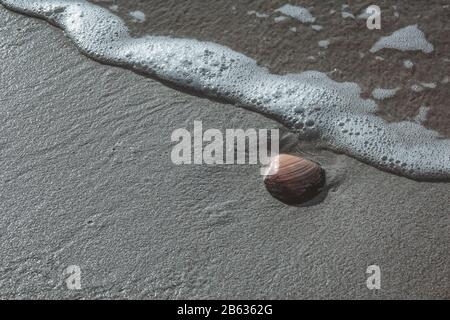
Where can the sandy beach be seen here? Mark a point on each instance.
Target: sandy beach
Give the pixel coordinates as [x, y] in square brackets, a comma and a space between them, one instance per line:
[87, 178]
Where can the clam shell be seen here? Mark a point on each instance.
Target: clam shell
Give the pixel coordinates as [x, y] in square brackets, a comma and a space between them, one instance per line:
[293, 179]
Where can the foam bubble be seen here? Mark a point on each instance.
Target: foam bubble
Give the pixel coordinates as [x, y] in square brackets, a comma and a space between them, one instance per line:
[382, 94]
[410, 38]
[364, 15]
[324, 43]
[280, 19]
[346, 13]
[138, 16]
[422, 86]
[422, 115]
[297, 12]
[257, 14]
[417, 88]
[408, 64]
[429, 85]
[319, 109]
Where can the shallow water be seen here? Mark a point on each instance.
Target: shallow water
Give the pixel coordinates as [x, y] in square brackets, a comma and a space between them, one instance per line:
[330, 113]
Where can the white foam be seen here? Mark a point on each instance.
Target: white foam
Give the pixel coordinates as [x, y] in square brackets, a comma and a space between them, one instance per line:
[346, 13]
[417, 88]
[257, 14]
[364, 15]
[138, 16]
[408, 64]
[396, 14]
[331, 114]
[280, 19]
[410, 38]
[422, 86]
[382, 94]
[316, 27]
[297, 12]
[324, 43]
[422, 115]
[429, 85]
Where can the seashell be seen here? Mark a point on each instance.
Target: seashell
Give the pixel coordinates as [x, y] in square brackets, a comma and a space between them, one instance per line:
[293, 179]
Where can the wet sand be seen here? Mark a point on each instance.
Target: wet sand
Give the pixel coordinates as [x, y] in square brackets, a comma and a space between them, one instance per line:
[87, 178]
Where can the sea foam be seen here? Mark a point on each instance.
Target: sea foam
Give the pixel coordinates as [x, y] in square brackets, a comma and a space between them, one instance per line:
[331, 114]
[297, 12]
[410, 38]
